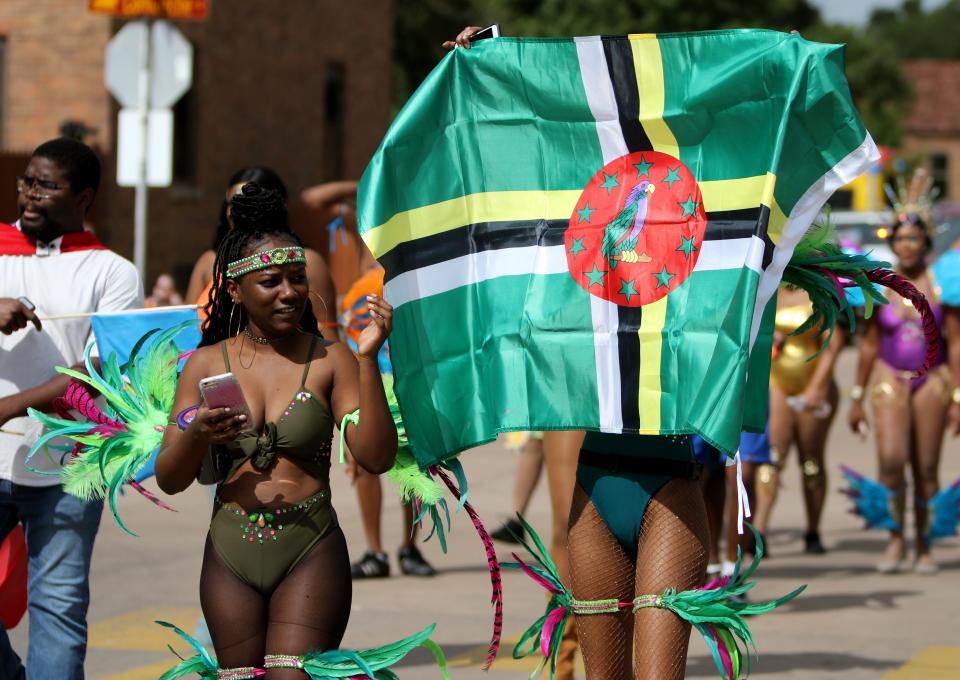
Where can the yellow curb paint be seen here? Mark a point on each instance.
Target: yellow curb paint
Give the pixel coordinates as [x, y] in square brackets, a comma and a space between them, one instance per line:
[151, 672]
[931, 663]
[476, 656]
[137, 631]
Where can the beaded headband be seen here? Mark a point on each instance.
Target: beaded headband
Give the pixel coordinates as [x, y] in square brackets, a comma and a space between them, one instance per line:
[268, 258]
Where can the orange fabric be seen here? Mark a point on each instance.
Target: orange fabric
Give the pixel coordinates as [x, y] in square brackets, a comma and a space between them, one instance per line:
[202, 301]
[354, 316]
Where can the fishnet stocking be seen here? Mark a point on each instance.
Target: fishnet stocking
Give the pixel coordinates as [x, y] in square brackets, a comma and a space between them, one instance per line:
[600, 569]
[672, 554]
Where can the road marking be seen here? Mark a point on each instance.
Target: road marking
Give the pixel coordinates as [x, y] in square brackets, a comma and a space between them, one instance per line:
[137, 631]
[477, 656]
[931, 663]
[151, 672]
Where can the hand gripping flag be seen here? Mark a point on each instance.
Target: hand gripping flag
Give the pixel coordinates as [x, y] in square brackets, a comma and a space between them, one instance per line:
[589, 233]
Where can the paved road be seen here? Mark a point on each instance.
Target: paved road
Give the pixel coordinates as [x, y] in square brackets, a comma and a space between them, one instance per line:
[851, 623]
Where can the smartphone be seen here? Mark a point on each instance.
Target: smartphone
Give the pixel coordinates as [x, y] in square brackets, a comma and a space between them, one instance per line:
[492, 31]
[224, 391]
[25, 301]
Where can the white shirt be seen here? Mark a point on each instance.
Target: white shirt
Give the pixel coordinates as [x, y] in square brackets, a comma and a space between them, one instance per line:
[57, 283]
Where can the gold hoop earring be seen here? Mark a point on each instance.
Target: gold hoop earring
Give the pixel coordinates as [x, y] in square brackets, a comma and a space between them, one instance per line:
[325, 310]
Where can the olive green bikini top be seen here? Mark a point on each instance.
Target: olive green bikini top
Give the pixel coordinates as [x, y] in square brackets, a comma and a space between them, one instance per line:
[303, 433]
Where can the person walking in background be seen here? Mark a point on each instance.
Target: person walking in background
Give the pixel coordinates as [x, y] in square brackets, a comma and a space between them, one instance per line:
[48, 258]
[910, 414]
[526, 477]
[322, 294]
[164, 293]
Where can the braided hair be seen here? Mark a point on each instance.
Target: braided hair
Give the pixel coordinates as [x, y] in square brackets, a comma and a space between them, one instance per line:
[258, 214]
[265, 177]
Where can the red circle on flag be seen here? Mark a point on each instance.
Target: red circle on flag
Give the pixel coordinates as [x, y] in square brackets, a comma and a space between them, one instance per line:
[636, 231]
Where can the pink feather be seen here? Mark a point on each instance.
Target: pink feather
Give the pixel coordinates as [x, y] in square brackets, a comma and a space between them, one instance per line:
[724, 653]
[78, 398]
[546, 585]
[493, 565]
[546, 635]
[149, 496]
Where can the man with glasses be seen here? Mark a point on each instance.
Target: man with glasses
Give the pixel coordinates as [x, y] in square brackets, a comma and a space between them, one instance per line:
[50, 266]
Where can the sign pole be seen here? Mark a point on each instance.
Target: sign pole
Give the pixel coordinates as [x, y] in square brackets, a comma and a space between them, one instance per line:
[140, 195]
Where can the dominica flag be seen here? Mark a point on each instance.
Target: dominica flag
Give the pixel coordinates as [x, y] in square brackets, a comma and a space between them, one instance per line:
[589, 233]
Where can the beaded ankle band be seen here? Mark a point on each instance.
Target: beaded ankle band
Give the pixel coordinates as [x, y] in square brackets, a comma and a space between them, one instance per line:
[283, 661]
[268, 258]
[245, 673]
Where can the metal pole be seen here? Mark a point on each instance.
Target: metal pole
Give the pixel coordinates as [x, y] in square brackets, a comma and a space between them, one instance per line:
[140, 195]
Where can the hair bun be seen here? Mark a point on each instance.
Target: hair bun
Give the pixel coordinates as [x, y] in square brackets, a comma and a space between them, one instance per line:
[256, 208]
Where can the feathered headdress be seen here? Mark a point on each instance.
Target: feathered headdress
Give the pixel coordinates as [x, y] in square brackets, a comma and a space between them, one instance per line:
[914, 200]
[115, 443]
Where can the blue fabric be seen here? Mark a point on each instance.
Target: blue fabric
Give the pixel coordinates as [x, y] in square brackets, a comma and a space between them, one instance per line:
[621, 498]
[754, 448]
[947, 272]
[60, 531]
[119, 332]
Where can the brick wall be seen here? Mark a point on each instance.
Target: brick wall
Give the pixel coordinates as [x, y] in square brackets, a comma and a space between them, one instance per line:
[260, 77]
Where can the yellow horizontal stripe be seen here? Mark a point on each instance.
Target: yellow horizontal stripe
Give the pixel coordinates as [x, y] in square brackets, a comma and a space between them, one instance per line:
[491, 206]
[502, 206]
[932, 663]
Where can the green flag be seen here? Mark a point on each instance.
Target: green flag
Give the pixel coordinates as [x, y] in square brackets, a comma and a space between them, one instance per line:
[589, 233]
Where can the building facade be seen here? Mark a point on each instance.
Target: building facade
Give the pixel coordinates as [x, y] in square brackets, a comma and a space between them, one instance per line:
[302, 86]
[932, 130]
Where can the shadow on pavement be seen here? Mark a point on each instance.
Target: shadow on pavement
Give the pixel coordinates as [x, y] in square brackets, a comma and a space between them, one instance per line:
[882, 599]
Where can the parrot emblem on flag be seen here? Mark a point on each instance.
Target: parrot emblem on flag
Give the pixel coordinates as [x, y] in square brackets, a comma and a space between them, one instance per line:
[621, 234]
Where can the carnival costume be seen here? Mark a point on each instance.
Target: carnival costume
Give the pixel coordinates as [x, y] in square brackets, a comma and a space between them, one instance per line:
[261, 546]
[911, 354]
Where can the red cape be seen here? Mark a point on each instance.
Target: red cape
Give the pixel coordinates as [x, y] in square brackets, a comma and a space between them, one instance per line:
[15, 242]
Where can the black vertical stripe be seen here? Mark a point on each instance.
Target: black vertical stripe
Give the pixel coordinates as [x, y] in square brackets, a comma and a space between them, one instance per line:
[623, 75]
[619, 56]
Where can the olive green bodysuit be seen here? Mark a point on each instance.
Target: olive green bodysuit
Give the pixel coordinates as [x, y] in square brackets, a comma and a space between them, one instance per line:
[262, 545]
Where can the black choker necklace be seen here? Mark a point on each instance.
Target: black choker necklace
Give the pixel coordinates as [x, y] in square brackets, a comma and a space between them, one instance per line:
[262, 340]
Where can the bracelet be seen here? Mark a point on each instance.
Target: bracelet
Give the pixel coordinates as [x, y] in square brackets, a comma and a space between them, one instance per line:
[856, 392]
[955, 397]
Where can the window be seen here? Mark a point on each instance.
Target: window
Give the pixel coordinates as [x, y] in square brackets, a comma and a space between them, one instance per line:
[185, 137]
[333, 123]
[940, 172]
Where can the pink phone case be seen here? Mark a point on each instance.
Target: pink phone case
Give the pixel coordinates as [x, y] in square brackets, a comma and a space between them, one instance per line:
[224, 391]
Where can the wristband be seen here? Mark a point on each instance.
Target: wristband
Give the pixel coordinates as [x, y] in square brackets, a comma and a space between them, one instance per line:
[856, 392]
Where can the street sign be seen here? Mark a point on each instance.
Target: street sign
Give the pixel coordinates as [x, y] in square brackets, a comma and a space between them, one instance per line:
[163, 9]
[157, 154]
[171, 60]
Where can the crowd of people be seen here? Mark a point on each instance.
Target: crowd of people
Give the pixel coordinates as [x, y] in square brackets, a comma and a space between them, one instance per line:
[631, 514]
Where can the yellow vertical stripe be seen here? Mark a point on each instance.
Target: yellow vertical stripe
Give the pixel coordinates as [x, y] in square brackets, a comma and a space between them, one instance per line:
[648, 64]
[651, 347]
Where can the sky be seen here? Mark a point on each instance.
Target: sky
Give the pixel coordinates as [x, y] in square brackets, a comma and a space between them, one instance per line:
[857, 12]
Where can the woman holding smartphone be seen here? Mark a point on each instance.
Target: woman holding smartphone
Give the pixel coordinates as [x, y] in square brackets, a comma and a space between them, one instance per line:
[275, 583]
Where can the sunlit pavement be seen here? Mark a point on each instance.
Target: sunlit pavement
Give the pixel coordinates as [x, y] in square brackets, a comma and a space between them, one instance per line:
[850, 623]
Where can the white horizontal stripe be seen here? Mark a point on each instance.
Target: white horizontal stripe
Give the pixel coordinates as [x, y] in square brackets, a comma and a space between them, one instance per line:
[734, 253]
[802, 216]
[474, 268]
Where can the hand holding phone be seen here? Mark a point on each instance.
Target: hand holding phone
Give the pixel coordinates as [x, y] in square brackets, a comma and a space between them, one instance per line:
[225, 412]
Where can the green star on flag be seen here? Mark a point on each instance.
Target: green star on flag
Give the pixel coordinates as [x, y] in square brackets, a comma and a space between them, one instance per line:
[663, 278]
[643, 167]
[585, 212]
[689, 207]
[627, 289]
[577, 246]
[596, 276]
[687, 246]
[673, 175]
[609, 182]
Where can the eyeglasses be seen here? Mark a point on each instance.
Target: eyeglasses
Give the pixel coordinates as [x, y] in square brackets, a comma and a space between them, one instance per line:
[38, 187]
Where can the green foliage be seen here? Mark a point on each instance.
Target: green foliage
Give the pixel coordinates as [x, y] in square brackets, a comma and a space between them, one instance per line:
[912, 33]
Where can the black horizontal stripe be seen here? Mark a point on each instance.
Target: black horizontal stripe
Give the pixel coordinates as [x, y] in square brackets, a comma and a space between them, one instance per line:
[473, 238]
[483, 236]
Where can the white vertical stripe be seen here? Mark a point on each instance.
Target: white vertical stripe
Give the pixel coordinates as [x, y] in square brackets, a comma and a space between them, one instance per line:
[802, 216]
[603, 106]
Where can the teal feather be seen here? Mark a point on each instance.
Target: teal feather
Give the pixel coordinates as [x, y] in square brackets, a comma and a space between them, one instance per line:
[202, 664]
